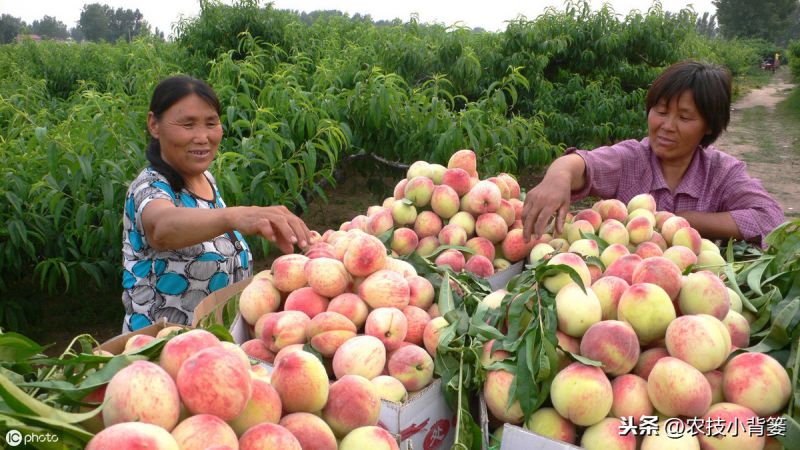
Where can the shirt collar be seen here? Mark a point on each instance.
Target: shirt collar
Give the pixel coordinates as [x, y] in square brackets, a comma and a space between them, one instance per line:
[687, 186]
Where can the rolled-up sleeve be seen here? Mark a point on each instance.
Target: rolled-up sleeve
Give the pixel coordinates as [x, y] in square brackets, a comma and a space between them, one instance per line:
[755, 212]
[603, 167]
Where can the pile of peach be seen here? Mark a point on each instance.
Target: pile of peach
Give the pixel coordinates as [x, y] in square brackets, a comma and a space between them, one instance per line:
[664, 340]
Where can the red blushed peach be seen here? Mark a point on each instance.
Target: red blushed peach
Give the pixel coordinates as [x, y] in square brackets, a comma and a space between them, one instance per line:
[134, 343]
[612, 253]
[365, 255]
[699, 339]
[630, 397]
[327, 277]
[264, 405]
[505, 193]
[511, 182]
[569, 344]
[399, 189]
[648, 309]
[256, 348]
[591, 216]
[648, 359]
[714, 378]
[548, 423]
[380, 222]
[328, 330]
[608, 434]
[483, 197]
[648, 250]
[688, 237]
[496, 393]
[671, 225]
[556, 282]
[301, 381]
[612, 209]
[353, 402]
[258, 298]
[661, 217]
[284, 328]
[624, 267]
[457, 179]
[181, 347]
[389, 325]
[413, 366]
[704, 293]
[372, 437]
[659, 271]
[288, 272]
[609, 290]
[639, 230]
[404, 241]
[421, 291]
[451, 257]
[614, 344]
[385, 288]
[491, 226]
[430, 336]
[434, 312]
[488, 356]
[465, 221]
[133, 435]
[306, 300]
[417, 318]
[614, 232]
[582, 394]
[739, 329]
[677, 389]
[757, 381]
[445, 201]
[311, 431]
[577, 310]
[658, 239]
[682, 257]
[362, 355]
[452, 234]
[203, 431]
[320, 250]
[351, 306]
[95, 398]
[267, 436]
[142, 392]
[427, 224]
[215, 381]
[480, 266]
[481, 246]
[643, 201]
[585, 247]
[731, 420]
[507, 212]
[427, 246]
[285, 351]
[577, 229]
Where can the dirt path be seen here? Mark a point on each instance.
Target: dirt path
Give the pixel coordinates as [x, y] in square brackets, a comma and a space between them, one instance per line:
[761, 138]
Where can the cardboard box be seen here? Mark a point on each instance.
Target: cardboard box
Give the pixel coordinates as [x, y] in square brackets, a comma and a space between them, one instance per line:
[116, 344]
[216, 301]
[516, 438]
[500, 279]
[424, 421]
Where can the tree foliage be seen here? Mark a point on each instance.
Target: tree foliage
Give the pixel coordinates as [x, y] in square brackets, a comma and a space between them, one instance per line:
[766, 19]
[10, 27]
[100, 22]
[50, 28]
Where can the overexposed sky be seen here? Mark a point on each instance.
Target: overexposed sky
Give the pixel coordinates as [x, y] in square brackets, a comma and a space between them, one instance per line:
[489, 15]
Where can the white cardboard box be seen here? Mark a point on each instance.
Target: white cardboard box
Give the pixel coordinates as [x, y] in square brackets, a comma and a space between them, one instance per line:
[516, 438]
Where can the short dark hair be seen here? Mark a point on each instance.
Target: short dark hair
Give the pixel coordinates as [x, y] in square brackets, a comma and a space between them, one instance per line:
[711, 86]
[167, 93]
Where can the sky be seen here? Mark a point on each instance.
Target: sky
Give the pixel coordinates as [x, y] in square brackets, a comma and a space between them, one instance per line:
[489, 15]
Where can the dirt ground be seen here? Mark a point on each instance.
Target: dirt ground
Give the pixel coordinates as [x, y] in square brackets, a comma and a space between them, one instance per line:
[769, 146]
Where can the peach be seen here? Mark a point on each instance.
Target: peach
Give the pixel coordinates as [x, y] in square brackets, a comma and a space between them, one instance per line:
[327, 277]
[400, 266]
[739, 329]
[380, 221]
[418, 168]
[258, 298]
[452, 234]
[464, 220]
[612, 253]
[512, 183]
[481, 246]
[436, 173]
[131, 436]
[714, 378]
[215, 381]
[419, 190]
[136, 342]
[648, 250]
[566, 343]
[640, 229]
[413, 366]
[427, 224]
[452, 258]
[507, 212]
[630, 397]
[353, 402]
[371, 437]
[483, 197]
[421, 291]
[505, 192]
[300, 380]
[500, 264]
[351, 306]
[644, 201]
[704, 293]
[181, 347]
[268, 436]
[585, 247]
[142, 392]
[648, 309]
[417, 318]
[700, 340]
[578, 229]
[677, 389]
[614, 232]
[548, 423]
[607, 434]
[554, 283]
[403, 212]
[647, 359]
[711, 261]
[658, 239]
[264, 405]
[488, 357]
[458, 179]
[659, 271]
[730, 429]
[166, 331]
[480, 266]
[385, 288]
[577, 310]
[661, 217]
[320, 250]
[202, 431]
[757, 381]
[288, 272]
[559, 244]
[285, 351]
[390, 388]
[496, 393]
[671, 225]
[365, 255]
[624, 267]
[540, 251]
[445, 201]
[427, 246]
[612, 209]
[664, 439]
[514, 246]
[581, 394]
[358, 222]
[494, 298]
[430, 336]
[682, 257]
[687, 237]
[608, 290]
[307, 300]
[284, 328]
[591, 216]
[404, 241]
[389, 325]
[464, 159]
[327, 331]
[641, 212]
[362, 355]
[311, 431]
[614, 344]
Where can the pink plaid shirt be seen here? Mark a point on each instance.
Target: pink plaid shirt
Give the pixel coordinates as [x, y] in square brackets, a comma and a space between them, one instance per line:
[714, 182]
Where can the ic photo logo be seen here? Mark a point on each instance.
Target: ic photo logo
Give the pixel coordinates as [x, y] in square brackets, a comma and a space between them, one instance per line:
[15, 438]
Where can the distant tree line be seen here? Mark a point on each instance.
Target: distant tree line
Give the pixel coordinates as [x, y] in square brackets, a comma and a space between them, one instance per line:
[98, 22]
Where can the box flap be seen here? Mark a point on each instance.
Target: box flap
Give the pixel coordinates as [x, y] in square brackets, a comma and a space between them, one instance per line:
[214, 302]
[500, 279]
[516, 438]
[116, 344]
